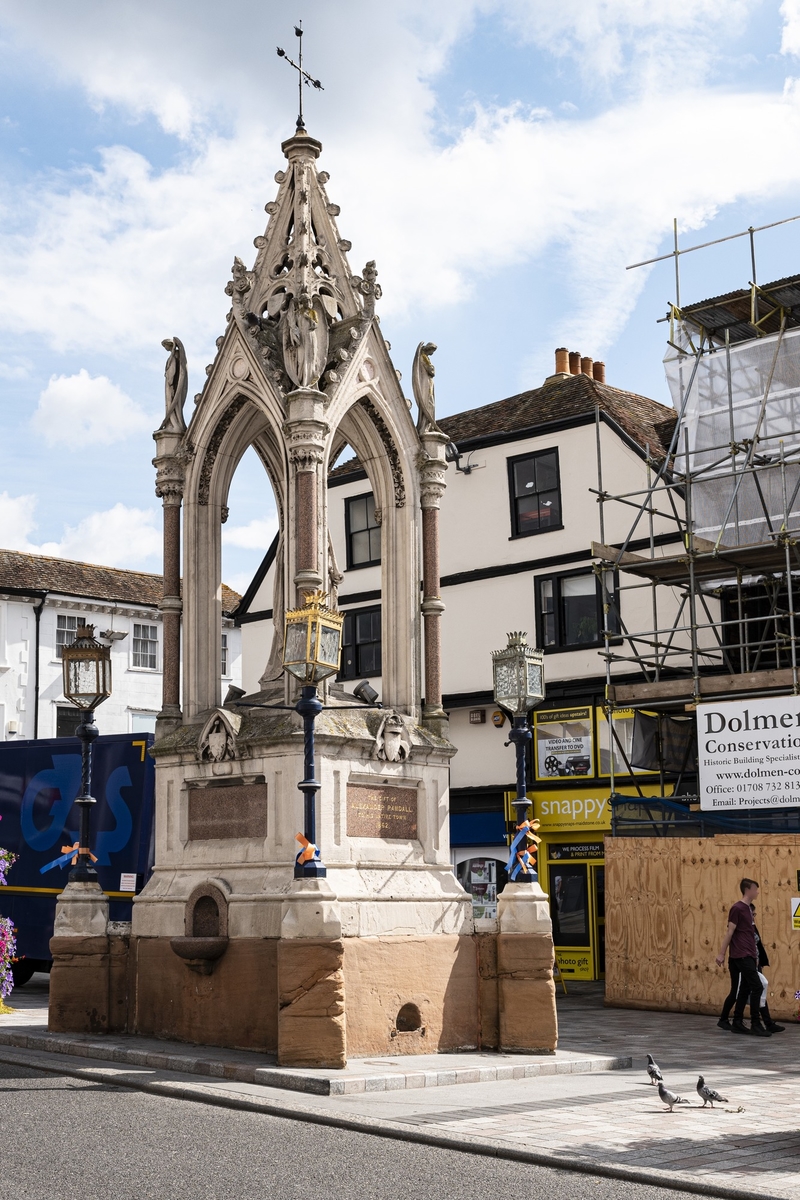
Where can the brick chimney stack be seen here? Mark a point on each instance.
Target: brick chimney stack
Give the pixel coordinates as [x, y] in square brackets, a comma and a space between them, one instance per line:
[586, 367]
[599, 372]
[562, 361]
[574, 362]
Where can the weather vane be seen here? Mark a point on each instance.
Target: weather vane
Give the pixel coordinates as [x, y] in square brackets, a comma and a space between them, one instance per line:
[303, 77]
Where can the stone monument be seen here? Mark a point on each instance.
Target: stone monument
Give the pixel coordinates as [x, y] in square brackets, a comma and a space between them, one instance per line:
[227, 947]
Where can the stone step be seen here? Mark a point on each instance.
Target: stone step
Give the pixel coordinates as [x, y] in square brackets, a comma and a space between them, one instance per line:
[360, 1075]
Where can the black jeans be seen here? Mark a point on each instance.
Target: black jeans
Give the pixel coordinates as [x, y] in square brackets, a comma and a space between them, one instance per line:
[749, 990]
[730, 999]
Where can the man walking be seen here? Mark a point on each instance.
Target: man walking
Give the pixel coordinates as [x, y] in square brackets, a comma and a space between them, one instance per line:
[740, 942]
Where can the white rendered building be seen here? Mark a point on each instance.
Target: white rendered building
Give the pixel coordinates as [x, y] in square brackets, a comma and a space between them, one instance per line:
[42, 602]
[518, 519]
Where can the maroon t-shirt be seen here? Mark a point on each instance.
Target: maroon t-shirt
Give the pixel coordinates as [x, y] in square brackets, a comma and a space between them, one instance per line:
[743, 942]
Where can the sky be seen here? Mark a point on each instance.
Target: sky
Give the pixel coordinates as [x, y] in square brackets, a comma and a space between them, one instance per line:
[503, 161]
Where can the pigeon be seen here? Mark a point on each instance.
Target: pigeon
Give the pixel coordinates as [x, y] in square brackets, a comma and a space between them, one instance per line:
[708, 1095]
[669, 1098]
[653, 1070]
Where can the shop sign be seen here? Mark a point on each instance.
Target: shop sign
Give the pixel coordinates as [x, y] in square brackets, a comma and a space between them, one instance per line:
[573, 809]
[563, 741]
[575, 964]
[749, 753]
[562, 851]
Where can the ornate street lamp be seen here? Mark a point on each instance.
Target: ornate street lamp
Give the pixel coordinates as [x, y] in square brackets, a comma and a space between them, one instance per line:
[312, 650]
[518, 687]
[87, 683]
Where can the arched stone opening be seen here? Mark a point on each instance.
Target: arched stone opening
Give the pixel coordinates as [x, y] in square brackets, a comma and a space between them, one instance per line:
[243, 421]
[207, 912]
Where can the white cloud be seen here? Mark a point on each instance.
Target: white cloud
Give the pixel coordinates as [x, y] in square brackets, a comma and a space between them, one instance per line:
[79, 410]
[118, 537]
[131, 254]
[16, 521]
[257, 535]
[790, 37]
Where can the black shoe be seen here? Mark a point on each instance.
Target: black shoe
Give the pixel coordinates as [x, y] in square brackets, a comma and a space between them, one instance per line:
[723, 1023]
[738, 1026]
[774, 1027]
[758, 1030]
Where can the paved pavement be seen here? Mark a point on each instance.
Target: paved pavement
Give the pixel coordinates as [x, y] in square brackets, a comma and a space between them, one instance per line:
[610, 1122]
[66, 1138]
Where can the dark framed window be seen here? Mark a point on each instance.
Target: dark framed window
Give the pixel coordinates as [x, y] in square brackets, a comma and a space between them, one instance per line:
[535, 489]
[569, 610]
[361, 644]
[363, 532]
[67, 720]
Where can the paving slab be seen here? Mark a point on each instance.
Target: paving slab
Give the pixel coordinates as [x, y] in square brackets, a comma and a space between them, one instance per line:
[605, 1122]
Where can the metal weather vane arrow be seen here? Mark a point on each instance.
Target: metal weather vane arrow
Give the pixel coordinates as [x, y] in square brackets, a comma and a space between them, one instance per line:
[303, 76]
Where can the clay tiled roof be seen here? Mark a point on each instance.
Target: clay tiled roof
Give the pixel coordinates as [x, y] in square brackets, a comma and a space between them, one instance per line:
[87, 580]
[559, 399]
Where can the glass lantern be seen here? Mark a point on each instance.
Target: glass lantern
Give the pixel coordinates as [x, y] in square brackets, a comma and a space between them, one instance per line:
[312, 647]
[518, 675]
[87, 670]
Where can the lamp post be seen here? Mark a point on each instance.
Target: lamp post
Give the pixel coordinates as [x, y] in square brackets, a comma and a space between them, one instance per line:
[312, 650]
[518, 687]
[87, 683]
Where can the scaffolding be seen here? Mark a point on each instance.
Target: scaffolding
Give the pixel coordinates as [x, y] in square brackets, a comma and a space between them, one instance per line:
[715, 577]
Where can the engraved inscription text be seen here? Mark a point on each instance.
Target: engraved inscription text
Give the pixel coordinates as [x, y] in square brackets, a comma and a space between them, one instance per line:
[381, 812]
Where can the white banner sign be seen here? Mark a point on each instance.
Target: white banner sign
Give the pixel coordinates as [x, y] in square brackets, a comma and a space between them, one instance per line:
[749, 753]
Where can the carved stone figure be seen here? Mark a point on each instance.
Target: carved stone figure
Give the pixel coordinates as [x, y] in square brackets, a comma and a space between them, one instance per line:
[274, 667]
[422, 375]
[304, 336]
[176, 383]
[335, 576]
[217, 742]
[391, 741]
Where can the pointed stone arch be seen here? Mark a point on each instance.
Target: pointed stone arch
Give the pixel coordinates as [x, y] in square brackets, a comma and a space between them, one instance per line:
[242, 420]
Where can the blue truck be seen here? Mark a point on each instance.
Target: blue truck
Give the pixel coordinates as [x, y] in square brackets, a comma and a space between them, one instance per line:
[39, 781]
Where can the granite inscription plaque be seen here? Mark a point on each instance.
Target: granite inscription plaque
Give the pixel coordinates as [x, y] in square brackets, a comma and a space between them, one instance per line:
[376, 811]
[228, 812]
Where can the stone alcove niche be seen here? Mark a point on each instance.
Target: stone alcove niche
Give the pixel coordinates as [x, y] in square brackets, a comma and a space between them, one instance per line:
[206, 925]
[408, 1022]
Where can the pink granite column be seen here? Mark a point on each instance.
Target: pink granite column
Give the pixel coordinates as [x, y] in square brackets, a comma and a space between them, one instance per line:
[169, 486]
[307, 462]
[432, 485]
[171, 606]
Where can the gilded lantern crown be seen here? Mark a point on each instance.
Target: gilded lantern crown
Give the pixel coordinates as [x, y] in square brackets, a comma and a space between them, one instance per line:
[87, 669]
[518, 675]
[312, 646]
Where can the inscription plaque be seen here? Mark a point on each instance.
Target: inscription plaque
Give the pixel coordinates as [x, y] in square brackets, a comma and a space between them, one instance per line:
[374, 811]
[228, 812]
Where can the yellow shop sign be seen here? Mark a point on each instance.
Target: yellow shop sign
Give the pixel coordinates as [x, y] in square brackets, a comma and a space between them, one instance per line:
[573, 810]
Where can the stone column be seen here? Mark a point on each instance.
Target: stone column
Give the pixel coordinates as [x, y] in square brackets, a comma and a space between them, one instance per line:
[525, 990]
[79, 979]
[169, 486]
[307, 544]
[432, 486]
